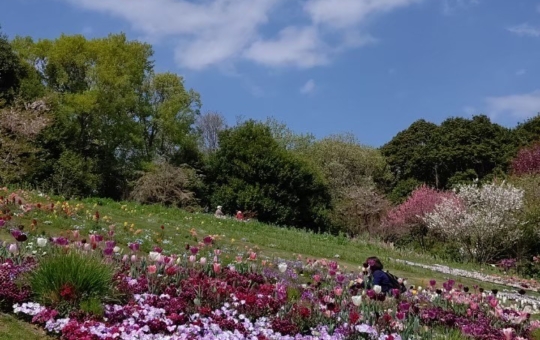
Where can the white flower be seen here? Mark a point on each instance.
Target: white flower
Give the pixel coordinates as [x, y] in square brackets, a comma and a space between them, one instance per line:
[357, 300]
[377, 289]
[116, 249]
[282, 267]
[154, 256]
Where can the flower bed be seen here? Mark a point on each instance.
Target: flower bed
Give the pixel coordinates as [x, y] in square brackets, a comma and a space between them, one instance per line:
[205, 292]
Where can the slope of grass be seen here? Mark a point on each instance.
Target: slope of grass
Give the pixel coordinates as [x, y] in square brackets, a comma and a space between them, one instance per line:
[172, 229]
[14, 329]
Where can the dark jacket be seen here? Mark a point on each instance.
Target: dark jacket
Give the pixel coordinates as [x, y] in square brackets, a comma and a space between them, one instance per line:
[381, 279]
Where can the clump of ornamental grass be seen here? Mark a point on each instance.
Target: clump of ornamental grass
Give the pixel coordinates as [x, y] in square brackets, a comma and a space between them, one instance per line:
[65, 280]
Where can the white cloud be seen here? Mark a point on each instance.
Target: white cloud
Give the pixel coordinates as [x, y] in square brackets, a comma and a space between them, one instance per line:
[518, 105]
[449, 7]
[342, 13]
[308, 87]
[525, 30]
[216, 32]
[294, 46]
[521, 72]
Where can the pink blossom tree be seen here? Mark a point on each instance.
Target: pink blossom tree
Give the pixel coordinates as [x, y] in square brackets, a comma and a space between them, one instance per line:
[527, 161]
[408, 217]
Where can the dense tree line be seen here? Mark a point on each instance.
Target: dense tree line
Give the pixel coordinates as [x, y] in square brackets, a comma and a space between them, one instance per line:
[104, 123]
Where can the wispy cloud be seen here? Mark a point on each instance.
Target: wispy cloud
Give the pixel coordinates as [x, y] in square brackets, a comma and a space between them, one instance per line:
[517, 105]
[216, 32]
[525, 30]
[449, 7]
[308, 87]
[521, 72]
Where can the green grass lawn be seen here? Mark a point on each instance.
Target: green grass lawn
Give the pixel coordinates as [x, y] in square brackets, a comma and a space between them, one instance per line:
[14, 329]
[144, 223]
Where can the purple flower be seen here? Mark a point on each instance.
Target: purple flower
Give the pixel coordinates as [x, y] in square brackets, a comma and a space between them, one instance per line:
[134, 246]
[2, 223]
[110, 244]
[194, 250]
[107, 251]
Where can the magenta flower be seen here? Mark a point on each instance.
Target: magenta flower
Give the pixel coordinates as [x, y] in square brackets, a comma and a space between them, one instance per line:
[2, 223]
[134, 246]
[194, 250]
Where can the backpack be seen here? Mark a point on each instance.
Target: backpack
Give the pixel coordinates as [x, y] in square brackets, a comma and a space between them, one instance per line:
[395, 283]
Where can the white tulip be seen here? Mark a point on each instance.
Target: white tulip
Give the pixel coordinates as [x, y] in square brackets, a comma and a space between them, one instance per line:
[377, 289]
[154, 256]
[116, 249]
[41, 242]
[357, 299]
[282, 267]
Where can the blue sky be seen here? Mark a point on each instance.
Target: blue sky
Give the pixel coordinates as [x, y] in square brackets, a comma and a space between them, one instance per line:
[370, 67]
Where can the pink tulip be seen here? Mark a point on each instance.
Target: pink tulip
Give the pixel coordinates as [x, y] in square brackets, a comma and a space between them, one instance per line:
[133, 258]
[87, 246]
[192, 258]
[76, 234]
[217, 267]
[125, 258]
[217, 252]
[338, 291]
[508, 332]
[203, 260]
[152, 269]
[252, 256]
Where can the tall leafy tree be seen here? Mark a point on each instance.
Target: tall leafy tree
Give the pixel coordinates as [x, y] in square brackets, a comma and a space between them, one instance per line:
[11, 71]
[251, 171]
[167, 115]
[112, 112]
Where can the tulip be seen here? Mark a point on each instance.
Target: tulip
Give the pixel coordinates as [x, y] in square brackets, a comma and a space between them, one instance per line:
[152, 269]
[133, 258]
[377, 289]
[338, 291]
[13, 248]
[357, 300]
[87, 246]
[508, 332]
[125, 258]
[282, 267]
[116, 249]
[2, 223]
[154, 256]
[217, 267]
[41, 242]
[252, 256]
[192, 258]
[203, 260]
[217, 252]
[134, 246]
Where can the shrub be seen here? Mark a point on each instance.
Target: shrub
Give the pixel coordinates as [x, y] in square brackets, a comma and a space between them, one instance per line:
[484, 219]
[527, 161]
[360, 210]
[165, 184]
[71, 278]
[251, 171]
[407, 219]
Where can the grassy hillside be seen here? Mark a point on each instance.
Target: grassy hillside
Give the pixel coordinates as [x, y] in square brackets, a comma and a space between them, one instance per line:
[171, 229]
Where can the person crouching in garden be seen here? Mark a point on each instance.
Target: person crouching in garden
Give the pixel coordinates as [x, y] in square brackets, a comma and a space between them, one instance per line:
[376, 275]
[219, 213]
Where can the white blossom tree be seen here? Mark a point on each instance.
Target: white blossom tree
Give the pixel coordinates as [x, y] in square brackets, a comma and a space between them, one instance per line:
[484, 220]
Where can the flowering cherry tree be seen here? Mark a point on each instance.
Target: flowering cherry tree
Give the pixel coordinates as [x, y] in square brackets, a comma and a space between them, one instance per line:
[409, 216]
[527, 161]
[483, 219]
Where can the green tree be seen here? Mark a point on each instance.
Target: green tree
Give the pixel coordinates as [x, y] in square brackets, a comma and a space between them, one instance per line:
[167, 115]
[527, 132]
[251, 171]
[11, 71]
[457, 151]
[113, 114]
[410, 153]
